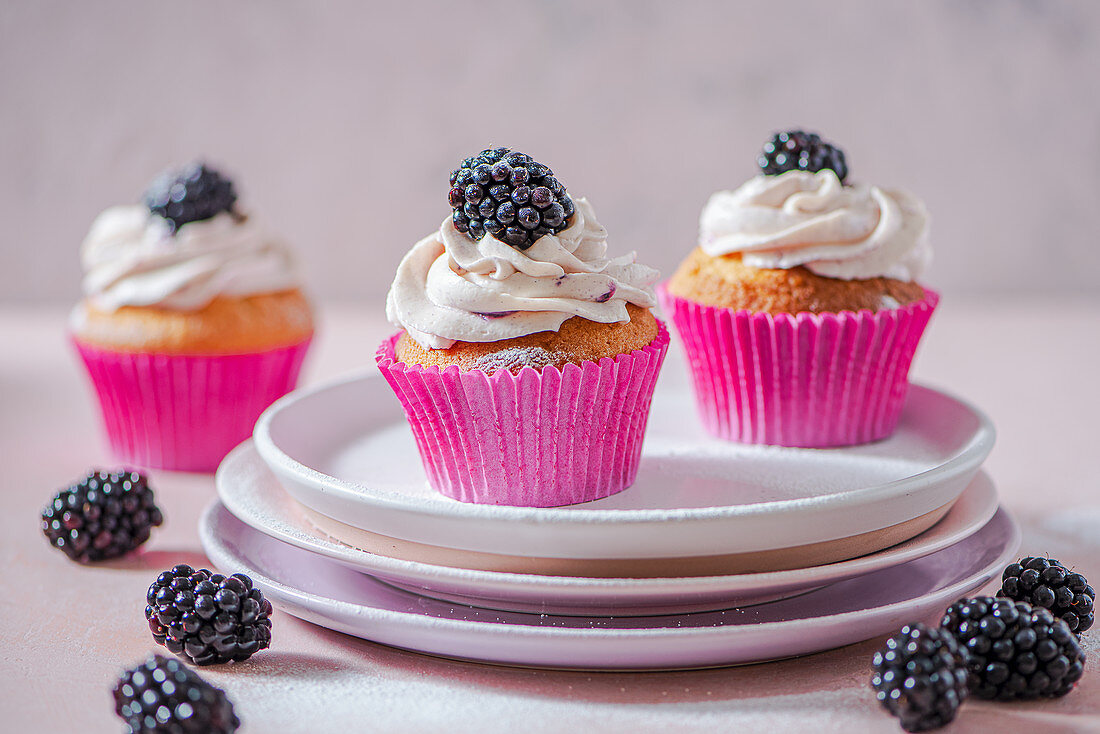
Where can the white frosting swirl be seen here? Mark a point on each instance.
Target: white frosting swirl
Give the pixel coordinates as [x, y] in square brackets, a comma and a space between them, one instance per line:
[131, 258]
[811, 219]
[449, 288]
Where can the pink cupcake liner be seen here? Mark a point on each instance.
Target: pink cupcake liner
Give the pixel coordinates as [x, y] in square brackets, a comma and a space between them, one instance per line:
[811, 380]
[533, 439]
[185, 412]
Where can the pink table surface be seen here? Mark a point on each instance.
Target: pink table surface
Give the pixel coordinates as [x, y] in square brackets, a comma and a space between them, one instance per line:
[66, 631]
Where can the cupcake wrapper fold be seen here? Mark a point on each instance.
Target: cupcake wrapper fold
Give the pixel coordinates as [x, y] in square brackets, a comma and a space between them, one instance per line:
[185, 412]
[539, 438]
[810, 380]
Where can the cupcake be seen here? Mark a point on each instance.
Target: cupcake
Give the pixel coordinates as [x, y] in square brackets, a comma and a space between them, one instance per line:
[800, 310]
[527, 358]
[192, 321]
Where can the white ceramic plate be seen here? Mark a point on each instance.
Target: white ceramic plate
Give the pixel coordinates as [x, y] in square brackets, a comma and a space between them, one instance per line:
[345, 451]
[249, 490]
[332, 595]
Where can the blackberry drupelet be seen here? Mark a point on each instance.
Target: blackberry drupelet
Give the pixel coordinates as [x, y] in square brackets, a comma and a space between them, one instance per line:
[190, 194]
[920, 677]
[796, 150]
[206, 616]
[510, 196]
[1016, 651]
[102, 516]
[162, 695]
[1044, 582]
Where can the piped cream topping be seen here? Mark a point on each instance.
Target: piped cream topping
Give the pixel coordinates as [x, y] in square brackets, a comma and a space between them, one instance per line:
[131, 258]
[450, 288]
[812, 219]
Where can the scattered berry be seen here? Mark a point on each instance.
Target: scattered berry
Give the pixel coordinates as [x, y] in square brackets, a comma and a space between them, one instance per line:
[163, 695]
[208, 617]
[102, 516]
[920, 677]
[1016, 651]
[190, 194]
[796, 150]
[510, 196]
[1044, 582]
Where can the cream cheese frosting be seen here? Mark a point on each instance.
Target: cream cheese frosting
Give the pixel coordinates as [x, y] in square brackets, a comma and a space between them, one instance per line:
[450, 288]
[812, 219]
[131, 258]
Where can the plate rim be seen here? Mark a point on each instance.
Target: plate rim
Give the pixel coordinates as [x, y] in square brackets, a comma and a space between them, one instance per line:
[333, 550]
[972, 455]
[206, 535]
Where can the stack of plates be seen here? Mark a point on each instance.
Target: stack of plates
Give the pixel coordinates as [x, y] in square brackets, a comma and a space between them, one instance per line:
[719, 554]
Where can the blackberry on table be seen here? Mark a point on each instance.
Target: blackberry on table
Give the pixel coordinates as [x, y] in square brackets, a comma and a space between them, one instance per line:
[103, 516]
[190, 194]
[208, 617]
[163, 696]
[1044, 582]
[1017, 651]
[509, 195]
[920, 676]
[797, 150]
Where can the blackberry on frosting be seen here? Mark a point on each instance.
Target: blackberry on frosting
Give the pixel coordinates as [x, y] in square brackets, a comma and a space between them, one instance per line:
[190, 194]
[509, 195]
[476, 281]
[797, 150]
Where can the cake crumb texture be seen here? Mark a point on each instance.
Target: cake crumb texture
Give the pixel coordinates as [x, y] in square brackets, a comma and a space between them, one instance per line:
[228, 325]
[576, 341]
[726, 282]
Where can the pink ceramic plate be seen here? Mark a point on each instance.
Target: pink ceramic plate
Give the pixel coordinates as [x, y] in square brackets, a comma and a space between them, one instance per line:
[249, 490]
[329, 594]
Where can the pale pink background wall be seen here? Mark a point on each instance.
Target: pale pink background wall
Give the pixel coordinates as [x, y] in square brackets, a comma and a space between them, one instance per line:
[342, 119]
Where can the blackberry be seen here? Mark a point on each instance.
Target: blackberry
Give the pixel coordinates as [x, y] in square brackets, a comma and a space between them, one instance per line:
[1017, 651]
[1044, 582]
[102, 516]
[190, 194]
[920, 677]
[796, 150]
[208, 617]
[510, 196]
[162, 695]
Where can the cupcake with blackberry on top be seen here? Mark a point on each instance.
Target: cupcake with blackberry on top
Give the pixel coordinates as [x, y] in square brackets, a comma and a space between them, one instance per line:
[192, 321]
[527, 357]
[800, 309]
